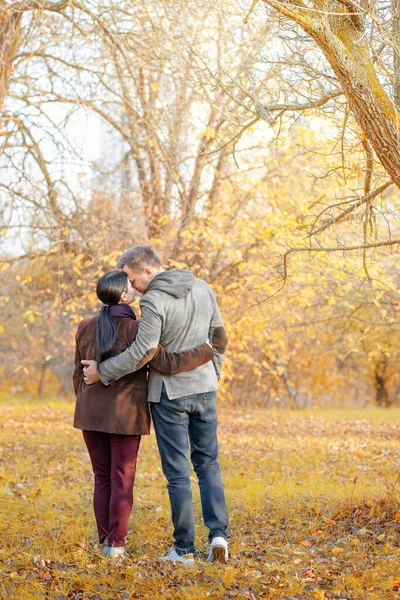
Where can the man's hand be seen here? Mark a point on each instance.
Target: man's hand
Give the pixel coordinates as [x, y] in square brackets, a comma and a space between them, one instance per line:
[90, 374]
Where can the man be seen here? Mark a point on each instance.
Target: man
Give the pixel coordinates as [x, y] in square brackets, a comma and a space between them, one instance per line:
[180, 312]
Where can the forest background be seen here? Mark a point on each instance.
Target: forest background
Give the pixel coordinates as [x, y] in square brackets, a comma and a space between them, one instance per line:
[257, 145]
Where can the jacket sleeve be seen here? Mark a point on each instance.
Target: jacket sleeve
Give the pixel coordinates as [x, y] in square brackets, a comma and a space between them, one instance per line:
[218, 337]
[171, 363]
[78, 368]
[140, 352]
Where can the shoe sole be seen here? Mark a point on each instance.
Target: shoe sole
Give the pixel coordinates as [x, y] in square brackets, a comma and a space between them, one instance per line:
[218, 554]
[188, 562]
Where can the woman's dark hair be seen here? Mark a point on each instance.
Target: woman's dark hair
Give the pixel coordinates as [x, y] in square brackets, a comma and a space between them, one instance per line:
[109, 290]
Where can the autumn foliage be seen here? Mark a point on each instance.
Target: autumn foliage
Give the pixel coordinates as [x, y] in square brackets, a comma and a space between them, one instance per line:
[313, 501]
[323, 332]
[241, 148]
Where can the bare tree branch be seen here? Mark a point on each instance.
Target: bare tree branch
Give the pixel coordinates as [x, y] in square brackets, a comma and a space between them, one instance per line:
[335, 249]
[25, 5]
[368, 197]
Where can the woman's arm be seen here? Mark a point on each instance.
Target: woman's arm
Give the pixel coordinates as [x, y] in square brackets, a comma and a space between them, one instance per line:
[171, 363]
[78, 367]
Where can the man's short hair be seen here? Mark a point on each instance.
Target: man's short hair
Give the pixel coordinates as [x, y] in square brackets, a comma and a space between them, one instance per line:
[138, 257]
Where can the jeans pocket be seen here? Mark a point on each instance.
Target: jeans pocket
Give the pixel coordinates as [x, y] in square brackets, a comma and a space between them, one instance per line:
[209, 407]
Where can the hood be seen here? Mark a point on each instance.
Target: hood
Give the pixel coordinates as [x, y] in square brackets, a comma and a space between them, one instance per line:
[175, 282]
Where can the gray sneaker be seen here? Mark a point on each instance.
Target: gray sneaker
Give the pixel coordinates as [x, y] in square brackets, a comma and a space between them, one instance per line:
[173, 556]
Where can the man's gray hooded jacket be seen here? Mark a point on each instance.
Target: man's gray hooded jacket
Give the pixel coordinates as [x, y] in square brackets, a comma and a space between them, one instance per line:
[180, 312]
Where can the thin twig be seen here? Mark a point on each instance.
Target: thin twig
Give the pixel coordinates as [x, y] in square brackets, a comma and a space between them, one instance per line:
[335, 249]
[349, 210]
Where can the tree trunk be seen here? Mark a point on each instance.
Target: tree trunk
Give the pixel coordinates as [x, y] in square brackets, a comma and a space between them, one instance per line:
[10, 42]
[291, 392]
[41, 379]
[11, 34]
[381, 392]
[341, 39]
[396, 50]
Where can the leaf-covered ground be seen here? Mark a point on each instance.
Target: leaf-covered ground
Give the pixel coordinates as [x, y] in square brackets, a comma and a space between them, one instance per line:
[313, 500]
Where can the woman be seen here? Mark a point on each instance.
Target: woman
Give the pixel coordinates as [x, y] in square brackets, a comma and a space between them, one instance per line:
[113, 418]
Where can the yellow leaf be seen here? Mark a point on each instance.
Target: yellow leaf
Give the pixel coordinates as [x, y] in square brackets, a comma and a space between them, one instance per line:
[31, 318]
[1, 329]
[5, 266]
[209, 133]
[163, 220]
[337, 550]
[48, 357]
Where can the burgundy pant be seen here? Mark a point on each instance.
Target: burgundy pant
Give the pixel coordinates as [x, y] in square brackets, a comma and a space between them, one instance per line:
[113, 460]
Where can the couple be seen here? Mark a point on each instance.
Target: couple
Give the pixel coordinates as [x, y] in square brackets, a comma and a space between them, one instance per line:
[120, 366]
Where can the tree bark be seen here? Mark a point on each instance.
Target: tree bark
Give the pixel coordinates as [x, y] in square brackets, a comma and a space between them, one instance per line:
[341, 39]
[396, 50]
[40, 389]
[11, 34]
[381, 393]
[291, 392]
[10, 42]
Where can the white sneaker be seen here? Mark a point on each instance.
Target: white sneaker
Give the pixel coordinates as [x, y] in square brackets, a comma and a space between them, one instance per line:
[173, 556]
[218, 550]
[115, 552]
[104, 543]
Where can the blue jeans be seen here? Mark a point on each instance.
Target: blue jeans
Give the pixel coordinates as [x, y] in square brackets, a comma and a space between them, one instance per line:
[177, 422]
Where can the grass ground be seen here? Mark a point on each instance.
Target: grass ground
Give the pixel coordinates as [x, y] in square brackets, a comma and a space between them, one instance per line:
[313, 500]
